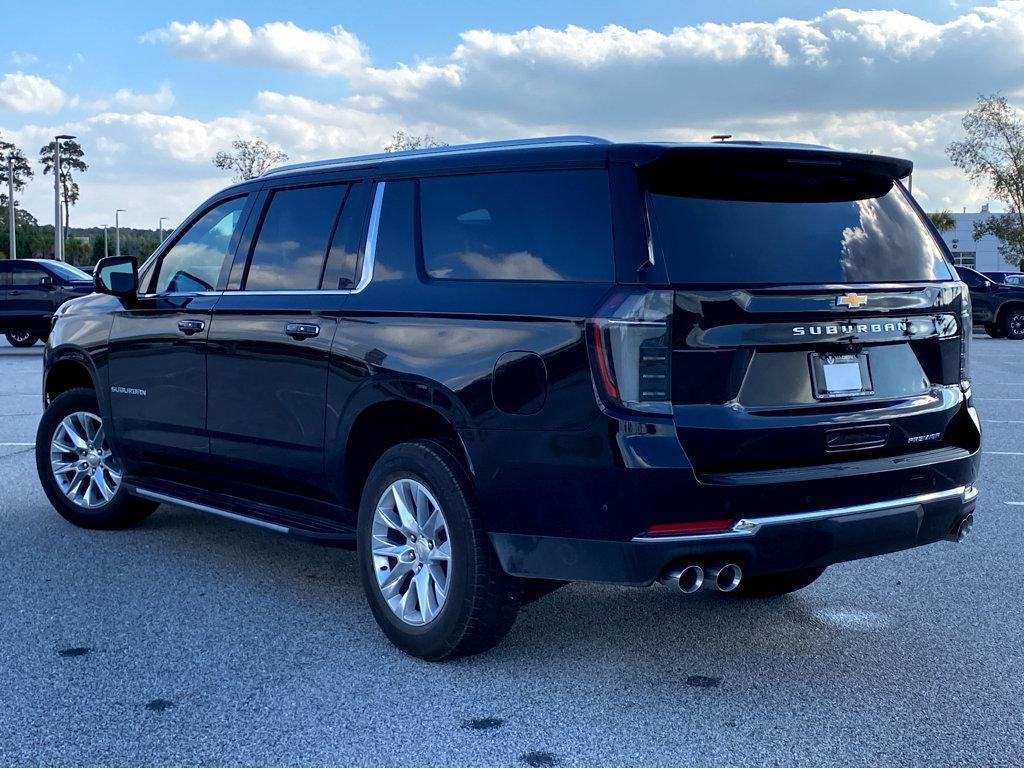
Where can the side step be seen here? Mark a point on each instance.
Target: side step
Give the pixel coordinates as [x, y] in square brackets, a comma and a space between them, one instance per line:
[320, 530]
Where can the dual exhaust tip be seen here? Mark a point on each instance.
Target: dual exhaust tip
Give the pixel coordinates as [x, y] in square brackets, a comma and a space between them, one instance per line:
[722, 577]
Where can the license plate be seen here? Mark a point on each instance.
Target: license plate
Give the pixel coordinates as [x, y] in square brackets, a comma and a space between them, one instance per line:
[840, 376]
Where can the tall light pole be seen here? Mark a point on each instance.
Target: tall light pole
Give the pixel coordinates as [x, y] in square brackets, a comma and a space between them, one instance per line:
[162, 220]
[58, 225]
[117, 231]
[10, 206]
[106, 249]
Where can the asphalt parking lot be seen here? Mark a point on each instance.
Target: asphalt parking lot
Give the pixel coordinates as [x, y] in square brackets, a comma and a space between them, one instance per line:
[196, 640]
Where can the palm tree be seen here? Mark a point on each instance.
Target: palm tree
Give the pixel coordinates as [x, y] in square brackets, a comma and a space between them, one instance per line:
[943, 221]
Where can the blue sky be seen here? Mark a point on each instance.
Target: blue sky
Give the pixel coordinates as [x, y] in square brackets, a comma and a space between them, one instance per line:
[154, 89]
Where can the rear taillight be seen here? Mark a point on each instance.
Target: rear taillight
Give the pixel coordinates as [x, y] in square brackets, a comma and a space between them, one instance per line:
[966, 330]
[631, 344]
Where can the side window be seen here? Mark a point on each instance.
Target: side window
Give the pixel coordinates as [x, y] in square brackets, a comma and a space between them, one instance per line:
[5, 275]
[538, 225]
[970, 277]
[24, 276]
[292, 241]
[195, 260]
[343, 258]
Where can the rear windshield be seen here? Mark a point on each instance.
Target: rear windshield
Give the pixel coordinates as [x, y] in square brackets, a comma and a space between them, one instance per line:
[761, 232]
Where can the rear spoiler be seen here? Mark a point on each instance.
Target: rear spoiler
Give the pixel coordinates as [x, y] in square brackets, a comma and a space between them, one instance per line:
[738, 172]
[735, 155]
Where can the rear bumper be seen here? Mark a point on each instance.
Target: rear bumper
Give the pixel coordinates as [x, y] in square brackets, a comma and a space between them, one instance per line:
[761, 545]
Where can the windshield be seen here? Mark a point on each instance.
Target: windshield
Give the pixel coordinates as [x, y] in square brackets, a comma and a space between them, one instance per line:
[69, 272]
[765, 230]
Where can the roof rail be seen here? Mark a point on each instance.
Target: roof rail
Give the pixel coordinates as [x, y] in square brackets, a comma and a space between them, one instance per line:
[543, 141]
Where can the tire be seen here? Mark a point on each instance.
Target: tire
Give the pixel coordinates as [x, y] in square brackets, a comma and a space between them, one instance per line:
[480, 601]
[1013, 323]
[83, 500]
[994, 331]
[771, 585]
[21, 338]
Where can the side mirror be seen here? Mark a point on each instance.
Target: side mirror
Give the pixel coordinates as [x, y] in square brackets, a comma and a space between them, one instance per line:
[117, 275]
[46, 281]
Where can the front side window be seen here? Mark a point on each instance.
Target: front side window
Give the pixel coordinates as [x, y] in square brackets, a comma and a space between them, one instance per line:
[536, 226]
[292, 242]
[25, 276]
[194, 262]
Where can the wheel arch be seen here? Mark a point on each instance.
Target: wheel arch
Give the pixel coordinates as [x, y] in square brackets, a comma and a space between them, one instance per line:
[66, 372]
[1009, 304]
[385, 423]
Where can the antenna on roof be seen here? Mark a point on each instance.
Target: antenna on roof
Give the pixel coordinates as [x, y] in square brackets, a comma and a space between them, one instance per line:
[721, 137]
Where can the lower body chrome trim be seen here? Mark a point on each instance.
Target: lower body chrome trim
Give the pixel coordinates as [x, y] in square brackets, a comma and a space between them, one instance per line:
[748, 527]
[167, 499]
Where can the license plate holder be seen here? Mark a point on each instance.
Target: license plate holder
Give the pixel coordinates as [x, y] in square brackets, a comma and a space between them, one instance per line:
[840, 376]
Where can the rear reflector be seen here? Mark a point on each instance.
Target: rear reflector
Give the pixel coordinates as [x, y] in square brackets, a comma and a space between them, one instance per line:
[693, 527]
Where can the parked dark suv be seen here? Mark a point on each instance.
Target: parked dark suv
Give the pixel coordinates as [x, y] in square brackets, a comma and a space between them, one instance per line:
[500, 368]
[31, 290]
[997, 307]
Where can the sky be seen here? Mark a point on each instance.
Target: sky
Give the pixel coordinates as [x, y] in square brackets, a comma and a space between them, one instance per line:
[153, 91]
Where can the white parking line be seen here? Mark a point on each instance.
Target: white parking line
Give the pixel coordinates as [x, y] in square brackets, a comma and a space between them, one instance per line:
[999, 399]
[1003, 421]
[1016, 504]
[1006, 453]
[17, 444]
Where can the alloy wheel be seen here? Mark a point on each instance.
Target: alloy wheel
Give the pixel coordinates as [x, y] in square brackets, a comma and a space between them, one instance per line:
[82, 462]
[411, 551]
[1017, 324]
[20, 336]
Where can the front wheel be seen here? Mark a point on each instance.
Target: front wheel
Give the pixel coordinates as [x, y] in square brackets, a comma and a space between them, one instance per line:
[22, 338]
[1013, 323]
[433, 581]
[771, 585]
[77, 468]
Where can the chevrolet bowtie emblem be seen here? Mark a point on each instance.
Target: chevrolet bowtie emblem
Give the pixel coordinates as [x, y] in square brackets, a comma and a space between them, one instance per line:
[853, 301]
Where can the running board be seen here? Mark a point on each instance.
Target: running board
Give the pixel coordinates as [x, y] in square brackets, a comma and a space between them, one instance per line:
[316, 529]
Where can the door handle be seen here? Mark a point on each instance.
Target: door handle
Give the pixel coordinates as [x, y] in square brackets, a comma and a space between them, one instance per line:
[14, 293]
[191, 326]
[302, 331]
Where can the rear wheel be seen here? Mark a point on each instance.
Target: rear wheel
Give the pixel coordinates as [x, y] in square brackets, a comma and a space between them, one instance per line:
[1013, 323]
[770, 585]
[994, 331]
[77, 468]
[433, 581]
[21, 338]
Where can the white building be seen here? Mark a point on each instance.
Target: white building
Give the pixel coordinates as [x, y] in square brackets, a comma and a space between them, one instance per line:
[979, 254]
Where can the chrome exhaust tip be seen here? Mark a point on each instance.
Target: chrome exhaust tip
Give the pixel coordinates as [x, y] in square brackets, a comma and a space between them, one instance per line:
[723, 577]
[687, 579]
[962, 530]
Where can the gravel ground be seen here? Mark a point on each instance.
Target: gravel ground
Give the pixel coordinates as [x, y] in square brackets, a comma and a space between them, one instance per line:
[195, 640]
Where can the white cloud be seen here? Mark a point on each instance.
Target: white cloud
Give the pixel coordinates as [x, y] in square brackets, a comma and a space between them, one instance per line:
[22, 59]
[278, 44]
[30, 93]
[160, 99]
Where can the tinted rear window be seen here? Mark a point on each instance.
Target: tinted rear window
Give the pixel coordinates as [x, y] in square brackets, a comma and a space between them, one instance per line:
[292, 242]
[545, 225]
[762, 232]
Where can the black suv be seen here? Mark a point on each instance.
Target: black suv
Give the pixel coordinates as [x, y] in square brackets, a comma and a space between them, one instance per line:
[496, 369]
[998, 307]
[31, 290]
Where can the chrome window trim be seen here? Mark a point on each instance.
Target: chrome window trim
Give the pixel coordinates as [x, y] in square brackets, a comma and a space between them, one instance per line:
[365, 275]
[748, 527]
